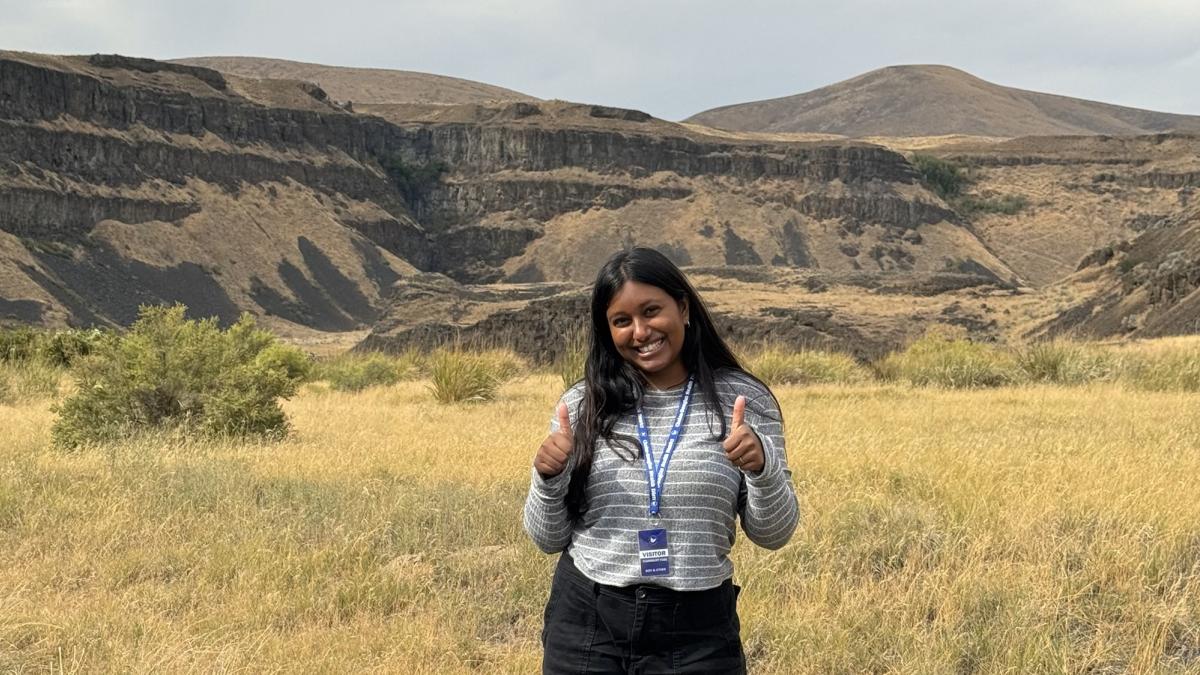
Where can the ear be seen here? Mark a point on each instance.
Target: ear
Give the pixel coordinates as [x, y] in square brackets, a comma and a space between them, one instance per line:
[683, 309]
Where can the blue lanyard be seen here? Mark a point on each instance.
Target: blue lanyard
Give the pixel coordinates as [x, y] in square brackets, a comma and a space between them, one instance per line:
[656, 473]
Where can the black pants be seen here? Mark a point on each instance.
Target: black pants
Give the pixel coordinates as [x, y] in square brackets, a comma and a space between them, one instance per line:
[593, 628]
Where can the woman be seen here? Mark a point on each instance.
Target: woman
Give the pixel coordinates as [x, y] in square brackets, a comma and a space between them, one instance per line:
[644, 581]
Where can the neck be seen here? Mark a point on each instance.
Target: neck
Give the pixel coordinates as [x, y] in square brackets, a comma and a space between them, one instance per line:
[667, 378]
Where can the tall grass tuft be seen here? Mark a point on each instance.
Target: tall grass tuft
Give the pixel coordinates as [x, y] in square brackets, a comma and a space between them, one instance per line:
[776, 365]
[504, 364]
[1169, 368]
[354, 371]
[1067, 363]
[572, 362]
[458, 376]
[940, 361]
[28, 381]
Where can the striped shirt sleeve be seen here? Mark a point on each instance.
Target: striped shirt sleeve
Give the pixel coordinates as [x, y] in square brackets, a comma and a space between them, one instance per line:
[767, 504]
[546, 519]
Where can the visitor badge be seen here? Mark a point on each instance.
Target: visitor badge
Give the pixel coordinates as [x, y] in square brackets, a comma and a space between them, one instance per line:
[652, 549]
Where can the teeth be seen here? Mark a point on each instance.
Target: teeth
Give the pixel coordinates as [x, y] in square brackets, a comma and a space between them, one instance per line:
[652, 347]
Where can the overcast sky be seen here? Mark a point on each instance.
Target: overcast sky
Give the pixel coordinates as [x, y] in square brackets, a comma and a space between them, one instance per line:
[670, 58]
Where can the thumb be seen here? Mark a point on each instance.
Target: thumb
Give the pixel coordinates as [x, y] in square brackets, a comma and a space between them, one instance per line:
[564, 420]
[739, 411]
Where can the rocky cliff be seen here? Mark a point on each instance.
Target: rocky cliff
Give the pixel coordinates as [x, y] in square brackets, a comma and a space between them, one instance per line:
[129, 181]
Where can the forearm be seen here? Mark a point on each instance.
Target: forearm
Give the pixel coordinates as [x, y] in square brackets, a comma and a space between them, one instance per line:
[771, 512]
[546, 518]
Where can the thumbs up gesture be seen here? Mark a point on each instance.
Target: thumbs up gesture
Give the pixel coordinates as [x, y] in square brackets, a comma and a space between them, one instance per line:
[741, 445]
[551, 458]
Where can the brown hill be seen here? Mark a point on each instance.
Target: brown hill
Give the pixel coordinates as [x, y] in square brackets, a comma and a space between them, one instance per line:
[130, 181]
[362, 85]
[930, 100]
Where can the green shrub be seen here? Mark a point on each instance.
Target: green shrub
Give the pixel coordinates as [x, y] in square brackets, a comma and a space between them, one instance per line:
[1004, 204]
[295, 363]
[775, 365]
[18, 344]
[168, 372]
[459, 376]
[945, 178]
[55, 348]
[945, 362]
[1062, 362]
[355, 371]
[413, 180]
[64, 347]
[949, 181]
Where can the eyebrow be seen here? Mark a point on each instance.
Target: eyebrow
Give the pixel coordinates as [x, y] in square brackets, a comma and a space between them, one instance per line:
[641, 306]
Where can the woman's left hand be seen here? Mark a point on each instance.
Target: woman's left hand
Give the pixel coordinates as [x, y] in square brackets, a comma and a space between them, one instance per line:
[742, 446]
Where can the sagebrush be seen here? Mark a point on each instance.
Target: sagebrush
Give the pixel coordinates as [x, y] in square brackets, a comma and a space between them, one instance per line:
[168, 371]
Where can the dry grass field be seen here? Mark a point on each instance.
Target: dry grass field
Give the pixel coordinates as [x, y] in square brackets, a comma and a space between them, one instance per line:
[1033, 529]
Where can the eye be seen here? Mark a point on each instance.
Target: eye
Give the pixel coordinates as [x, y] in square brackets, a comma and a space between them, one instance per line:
[652, 310]
[620, 321]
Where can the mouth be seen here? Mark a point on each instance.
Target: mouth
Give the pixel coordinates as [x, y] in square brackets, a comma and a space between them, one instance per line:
[651, 348]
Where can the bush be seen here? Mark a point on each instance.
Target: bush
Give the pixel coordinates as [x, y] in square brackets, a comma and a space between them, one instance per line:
[296, 364]
[775, 365]
[168, 372]
[413, 180]
[1004, 204]
[945, 178]
[356, 371]
[459, 376]
[1065, 363]
[949, 181]
[18, 344]
[956, 363]
[56, 348]
[64, 347]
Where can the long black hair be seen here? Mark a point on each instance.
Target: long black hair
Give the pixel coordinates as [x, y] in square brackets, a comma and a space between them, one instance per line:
[613, 387]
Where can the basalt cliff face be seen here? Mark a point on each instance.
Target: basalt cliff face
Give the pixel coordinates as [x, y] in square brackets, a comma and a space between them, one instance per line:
[128, 181]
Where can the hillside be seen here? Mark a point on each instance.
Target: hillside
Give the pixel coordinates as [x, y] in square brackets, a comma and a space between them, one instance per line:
[932, 100]
[129, 181]
[362, 85]
[1143, 288]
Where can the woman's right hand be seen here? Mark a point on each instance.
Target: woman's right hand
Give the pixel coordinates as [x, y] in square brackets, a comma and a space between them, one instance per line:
[552, 457]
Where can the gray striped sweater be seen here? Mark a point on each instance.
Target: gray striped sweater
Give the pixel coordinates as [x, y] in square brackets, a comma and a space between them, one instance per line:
[703, 495]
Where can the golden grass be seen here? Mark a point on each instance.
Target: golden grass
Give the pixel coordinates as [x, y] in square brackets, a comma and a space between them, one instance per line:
[1025, 529]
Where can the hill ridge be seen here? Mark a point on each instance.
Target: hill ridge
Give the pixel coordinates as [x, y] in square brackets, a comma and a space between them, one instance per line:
[936, 99]
[362, 85]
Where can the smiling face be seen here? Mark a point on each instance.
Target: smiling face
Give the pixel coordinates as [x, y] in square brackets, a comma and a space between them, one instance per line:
[647, 328]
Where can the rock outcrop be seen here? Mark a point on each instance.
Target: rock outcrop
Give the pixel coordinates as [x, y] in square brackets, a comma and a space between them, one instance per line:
[266, 196]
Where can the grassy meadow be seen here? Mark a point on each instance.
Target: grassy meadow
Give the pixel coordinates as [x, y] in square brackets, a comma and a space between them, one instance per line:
[1028, 528]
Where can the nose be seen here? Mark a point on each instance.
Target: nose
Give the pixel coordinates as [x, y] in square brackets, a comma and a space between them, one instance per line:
[641, 330]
